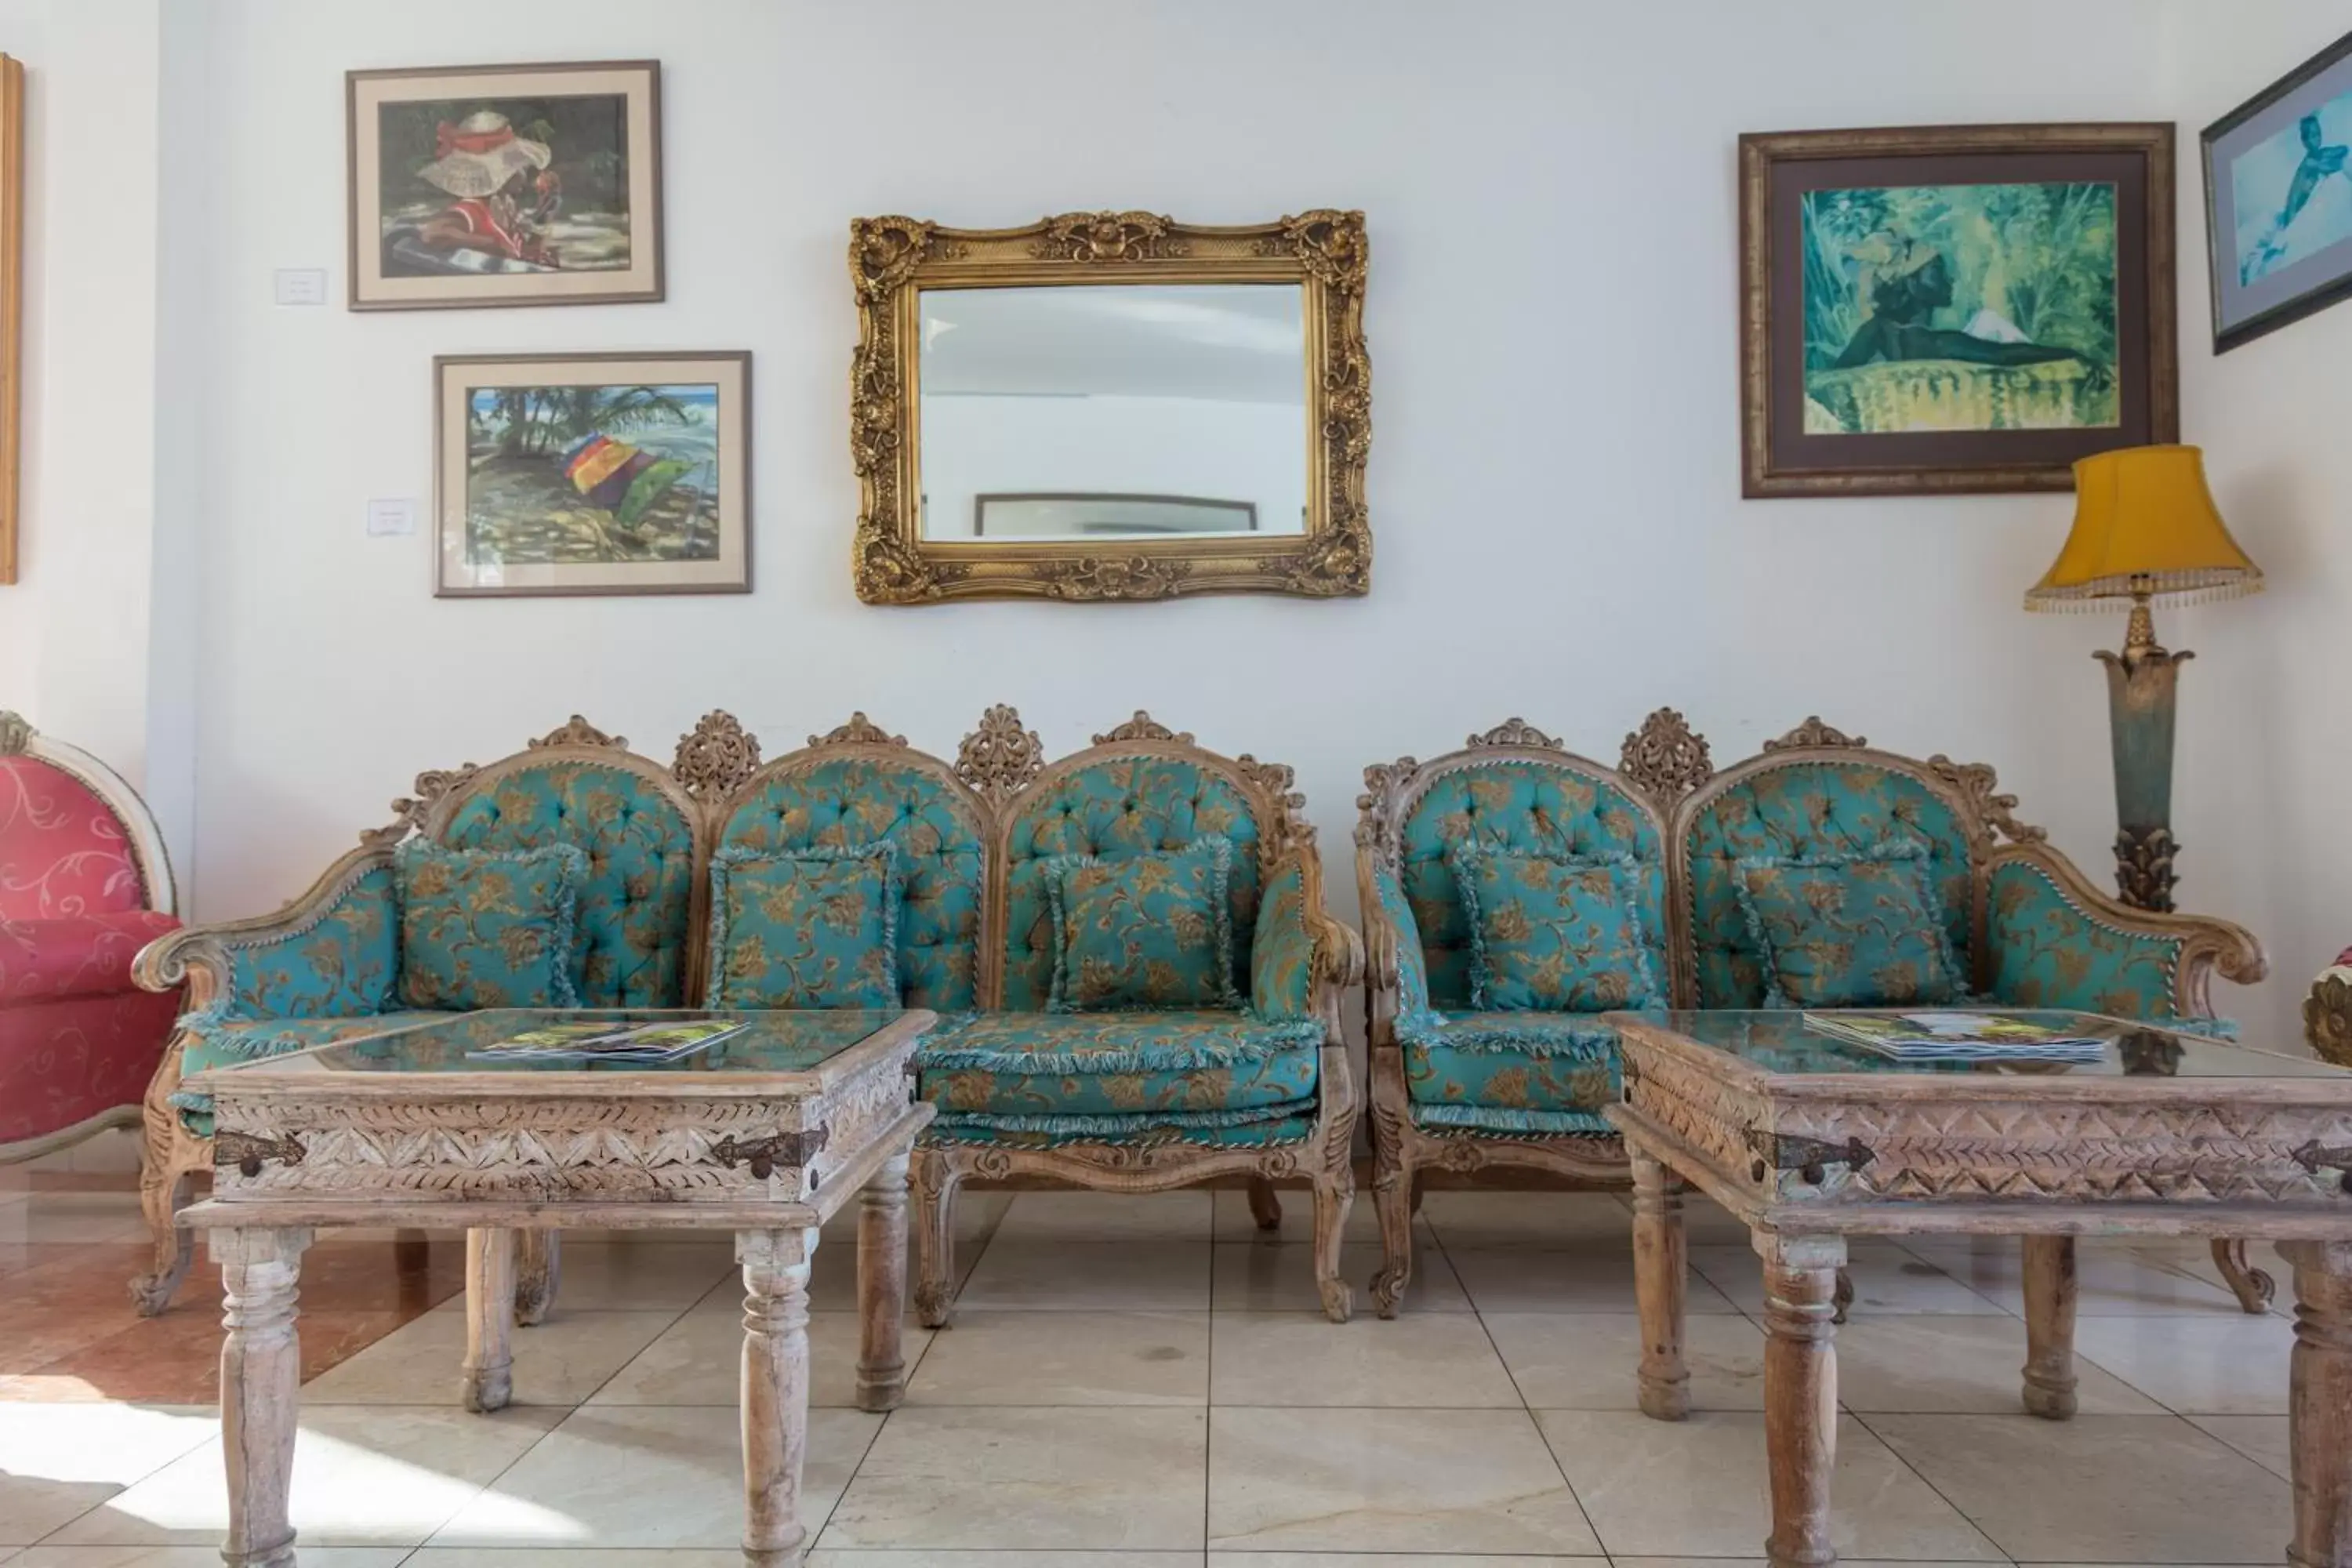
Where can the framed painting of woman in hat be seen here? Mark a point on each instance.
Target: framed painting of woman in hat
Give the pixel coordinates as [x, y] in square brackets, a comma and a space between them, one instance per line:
[505, 185]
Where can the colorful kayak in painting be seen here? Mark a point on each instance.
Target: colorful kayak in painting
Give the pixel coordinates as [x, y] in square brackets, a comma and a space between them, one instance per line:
[623, 479]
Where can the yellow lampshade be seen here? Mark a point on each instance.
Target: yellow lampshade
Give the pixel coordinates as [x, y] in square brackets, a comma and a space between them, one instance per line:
[2145, 524]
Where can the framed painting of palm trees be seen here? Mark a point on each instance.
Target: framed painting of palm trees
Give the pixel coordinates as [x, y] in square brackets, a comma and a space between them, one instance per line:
[620, 473]
[2278, 200]
[1947, 308]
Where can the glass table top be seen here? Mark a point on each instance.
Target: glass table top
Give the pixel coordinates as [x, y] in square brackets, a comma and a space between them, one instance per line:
[1781, 1042]
[771, 1042]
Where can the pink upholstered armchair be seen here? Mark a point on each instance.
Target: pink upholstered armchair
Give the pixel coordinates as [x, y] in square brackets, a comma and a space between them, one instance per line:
[84, 885]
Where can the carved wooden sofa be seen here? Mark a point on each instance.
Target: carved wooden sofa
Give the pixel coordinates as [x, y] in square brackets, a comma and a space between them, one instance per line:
[1459, 1091]
[1128, 1101]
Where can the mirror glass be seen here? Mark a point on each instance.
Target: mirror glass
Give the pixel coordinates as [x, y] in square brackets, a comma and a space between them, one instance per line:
[1113, 410]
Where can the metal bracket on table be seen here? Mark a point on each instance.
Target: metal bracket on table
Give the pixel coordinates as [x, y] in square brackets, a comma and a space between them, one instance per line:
[1809, 1157]
[764, 1154]
[2315, 1157]
[246, 1151]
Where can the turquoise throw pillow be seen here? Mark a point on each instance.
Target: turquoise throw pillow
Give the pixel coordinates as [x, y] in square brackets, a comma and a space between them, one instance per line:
[1852, 929]
[488, 927]
[1553, 933]
[805, 928]
[1148, 931]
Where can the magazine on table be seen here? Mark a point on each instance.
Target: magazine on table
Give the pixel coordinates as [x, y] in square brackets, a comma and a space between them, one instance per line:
[609, 1042]
[1958, 1037]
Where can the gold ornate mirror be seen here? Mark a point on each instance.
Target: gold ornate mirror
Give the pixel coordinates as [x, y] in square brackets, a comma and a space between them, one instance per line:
[1110, 405]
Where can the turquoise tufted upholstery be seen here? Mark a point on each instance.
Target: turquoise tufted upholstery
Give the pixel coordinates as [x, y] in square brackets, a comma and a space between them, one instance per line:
[1282, 956]
[2047, 952]
[1526, 807]
[1809, 809]
[1112, 810]
[1119, 1073]
[632, 928]
[1523, 1073]
[845, 803]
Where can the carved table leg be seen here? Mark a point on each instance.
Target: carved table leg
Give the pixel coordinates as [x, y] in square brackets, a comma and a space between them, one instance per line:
[260, 1384]
[1266, 1205]
[538, 1264]
[882, 1288]
[775, 1391]
[2255, 1289]
[162, 1194]
[488, 1379]
[936, 1179]
[1799, 1393]
[2049, 1279]
[2319, 1404]
[1660, 1276]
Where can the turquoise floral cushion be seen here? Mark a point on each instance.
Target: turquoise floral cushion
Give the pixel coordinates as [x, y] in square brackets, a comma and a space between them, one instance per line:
[805, 928]
[1149, 931]
[1553, 933]
[1542, 1074]
[1190, 1065]
[1856, 929]
[483, 928]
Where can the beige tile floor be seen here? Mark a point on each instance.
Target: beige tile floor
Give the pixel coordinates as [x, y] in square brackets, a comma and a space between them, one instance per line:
[1145, 1380]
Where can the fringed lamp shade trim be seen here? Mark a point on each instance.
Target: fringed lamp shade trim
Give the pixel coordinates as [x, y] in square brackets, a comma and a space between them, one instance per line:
[2167, 587]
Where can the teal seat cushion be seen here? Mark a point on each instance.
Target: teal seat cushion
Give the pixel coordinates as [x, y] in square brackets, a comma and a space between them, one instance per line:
[1178, 1069]
[214, 1044]
[485, 928]
[1849, 928]
[1136, 1131]
[1553, 933]
[805, 928]
[1153, 930]
[1547, 1073]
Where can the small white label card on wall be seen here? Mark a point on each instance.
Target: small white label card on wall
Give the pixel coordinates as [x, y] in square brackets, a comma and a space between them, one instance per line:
[302, 285]
[391, 516]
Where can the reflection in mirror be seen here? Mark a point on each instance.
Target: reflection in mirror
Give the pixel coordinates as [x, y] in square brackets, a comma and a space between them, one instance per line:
[1113, 410]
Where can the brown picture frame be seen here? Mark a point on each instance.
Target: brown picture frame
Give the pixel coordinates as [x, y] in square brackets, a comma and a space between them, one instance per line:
[367, 92]
[730, 573]
[1780, 458]
[12, 307]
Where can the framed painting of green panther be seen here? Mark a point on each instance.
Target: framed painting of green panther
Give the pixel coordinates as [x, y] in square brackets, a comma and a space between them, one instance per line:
[1947, 309]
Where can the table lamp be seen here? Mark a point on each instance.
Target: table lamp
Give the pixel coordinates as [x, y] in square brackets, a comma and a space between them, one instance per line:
[2144, 529]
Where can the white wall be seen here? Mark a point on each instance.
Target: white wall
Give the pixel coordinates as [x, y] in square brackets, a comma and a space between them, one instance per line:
[75, 634]
[1219, 448]
[1554, 476]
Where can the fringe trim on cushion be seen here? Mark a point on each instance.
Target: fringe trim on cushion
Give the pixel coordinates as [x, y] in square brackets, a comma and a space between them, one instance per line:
[1621, 868]
[721, 871]
[2203, 1028]
[1499, 1119]
[1114, 1126]
[563, 982]
[1432, 1031]
[1265, 1041]
[937, 1134]
[185, 1100]
[230, 1037]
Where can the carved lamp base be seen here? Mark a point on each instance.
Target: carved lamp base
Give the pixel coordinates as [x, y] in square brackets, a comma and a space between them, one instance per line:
[2144, 867]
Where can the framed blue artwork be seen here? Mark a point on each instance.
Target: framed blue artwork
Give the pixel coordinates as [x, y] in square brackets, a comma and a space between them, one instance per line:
[2278, 200]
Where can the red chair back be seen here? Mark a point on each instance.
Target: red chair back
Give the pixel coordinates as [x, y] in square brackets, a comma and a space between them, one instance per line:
[63, 849]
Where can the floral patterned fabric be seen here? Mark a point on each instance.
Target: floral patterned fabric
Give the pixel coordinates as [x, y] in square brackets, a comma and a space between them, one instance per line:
[1119, 1064]
[631, 928]
[1131, 1130]
[344, 964]
[1282, 958]
[77, 1036]
[216, 1043]
[845, 804]
[1413, 968]
[63, 850]
[74, 955]
[1808, 810]
[1561, 1067]
[809, 928]
[1553, 933]
[1848, 930]
[2048, 952]
[1522, 808]
[481, 928]
[1114, 810]
[1148, 930]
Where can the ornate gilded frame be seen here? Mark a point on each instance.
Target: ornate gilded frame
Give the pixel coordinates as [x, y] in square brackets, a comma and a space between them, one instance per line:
[12, 305]
[891, 259]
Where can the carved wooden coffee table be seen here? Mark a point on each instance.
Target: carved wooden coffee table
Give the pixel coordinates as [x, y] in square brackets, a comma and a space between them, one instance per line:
[766, 1134]
[1808, 1141]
